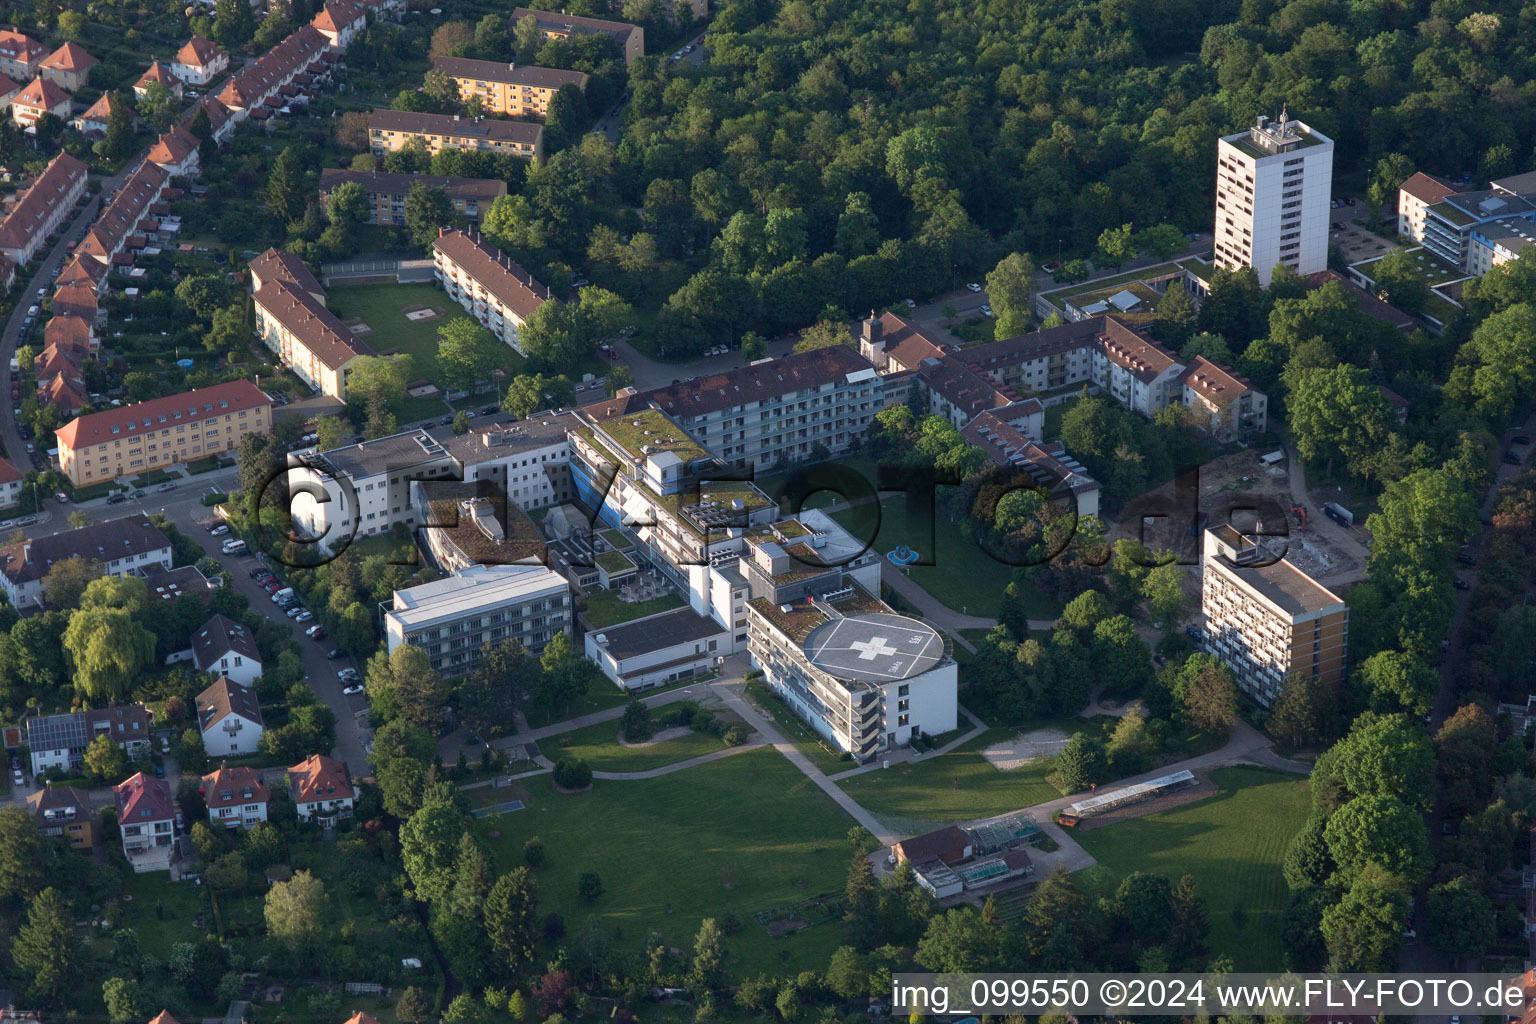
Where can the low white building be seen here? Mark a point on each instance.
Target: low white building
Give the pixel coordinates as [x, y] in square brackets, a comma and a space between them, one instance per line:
[456, 619]
[235, 797]
[658, 649]
[229, 719]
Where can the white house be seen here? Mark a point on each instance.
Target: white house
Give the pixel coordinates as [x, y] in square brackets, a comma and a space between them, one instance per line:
[59, 741]
[229, 718]
[322, 789]
[224, 646]
[235, 797]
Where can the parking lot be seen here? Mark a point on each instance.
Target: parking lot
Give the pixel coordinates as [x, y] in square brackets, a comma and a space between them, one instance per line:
[1358, 243]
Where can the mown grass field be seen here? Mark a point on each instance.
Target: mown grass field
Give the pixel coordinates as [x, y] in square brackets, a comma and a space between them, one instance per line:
[1232, 843]
[743, 834]
[599, 746]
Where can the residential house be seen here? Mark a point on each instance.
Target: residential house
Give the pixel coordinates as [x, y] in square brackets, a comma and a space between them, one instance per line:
[59, 741]
[514, 90]
[229, 718]
[559, 25]
[94, 121]
[157, 73]
[322, 789]
[146, 816]
[341, 21]
[68, 67]
[199, 61]
[491, 287]
[119, 225]
[226, 647]
[64, 812]
[293, 321]
[120, 545]
[386, 192]
[298, 64]
[20, 55]
[42, 208]
[133, 439]
[41, 96]
[176, 153]
[10, 484]
[389, 130]
[8, 91]
[235, 797]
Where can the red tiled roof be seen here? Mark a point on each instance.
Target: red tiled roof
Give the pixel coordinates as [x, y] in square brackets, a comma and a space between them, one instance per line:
[9, 474]
[21, 47]
[338, 14]
[278, 265]
[1124, 347]
[143, 798]
[1427, 189]
[754, 383]
[258, 80]
[496, 272]
[75, 300]
[318, 777]
[70, 57]
[100, 110]
[47, 192]
[118, 221]
[509, 74]
[317, 328]
[1212, 381]
[192, 406]
[65, 392]
[198, 52]
[157, 73]
[173, 147]
[7, 87]
[232, 787]
[42, 94]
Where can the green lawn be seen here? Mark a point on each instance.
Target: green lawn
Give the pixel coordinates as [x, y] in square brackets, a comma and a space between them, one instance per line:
[1233, 844]
[940, 789]
[794, 728]
[162, 913]
[605, 609]
[598, 745]
[602, 694]
[744, 834]
[962, 576]
[382, 307]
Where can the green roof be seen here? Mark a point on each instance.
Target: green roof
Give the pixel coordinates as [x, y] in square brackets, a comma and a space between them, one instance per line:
[650, 428]
[614, 562]
[1456, 216]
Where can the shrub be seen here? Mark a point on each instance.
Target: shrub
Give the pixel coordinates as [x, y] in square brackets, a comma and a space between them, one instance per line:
[533, 852]
[637, 725]
[589, 887]
[554, 927]
[573, 773]
[736, 735]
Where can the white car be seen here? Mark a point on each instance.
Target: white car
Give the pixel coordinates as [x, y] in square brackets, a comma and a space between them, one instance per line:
[973, 286]
[911, 303]
[16, 777]
[986, 310]
[305, 615]
[348, 675]
[354, 688]
[219, 531]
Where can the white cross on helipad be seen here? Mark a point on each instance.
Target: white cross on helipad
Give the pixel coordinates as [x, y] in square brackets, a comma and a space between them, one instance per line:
[869, 650]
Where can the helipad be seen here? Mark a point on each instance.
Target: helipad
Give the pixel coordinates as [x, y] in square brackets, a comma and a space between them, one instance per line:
[875, 647]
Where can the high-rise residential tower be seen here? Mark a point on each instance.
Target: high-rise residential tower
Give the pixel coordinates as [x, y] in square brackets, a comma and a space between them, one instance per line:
[1273, 184]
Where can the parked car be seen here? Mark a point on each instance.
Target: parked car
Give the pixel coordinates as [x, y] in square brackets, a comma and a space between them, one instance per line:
[63, 499]
[973, 286]
[292, 611]
[169, 485]
[1194, 634]
[27, 521]
[986, 310]
[220, 530]
[335, 653]
[1512, 458]
[165, 744]
[304, 615]
[1522, 439]
[354, 688]
[17, 779]
[258, 572]
[1461, 584]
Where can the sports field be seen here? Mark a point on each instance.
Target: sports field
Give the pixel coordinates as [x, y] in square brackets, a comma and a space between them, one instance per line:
[1233, 844]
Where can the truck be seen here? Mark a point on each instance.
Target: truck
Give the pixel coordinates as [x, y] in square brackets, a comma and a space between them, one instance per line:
[1338, 513]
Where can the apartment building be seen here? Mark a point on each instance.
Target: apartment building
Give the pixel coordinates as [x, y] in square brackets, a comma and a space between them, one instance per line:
[389, 130]
[369, 486]
[20, 55]
[287, 73]
[559, 25]
[146, 816]
[199, 61]
[773, 412]
[386, 192]
[1476, 230]
[1266, 619]
[1101, 353]
[39, 211]
[11, 480]
[133, 439]
[121, 546]
[120, 224]
[39, 97]
[455, 620]
[867, 679]
[229, 718]
[59, 741]
[292, 318]
[513, 90]
[1274, 183]
[64, 812]
[235, 797]
[68, 67]
[489, 284]
[322, 790]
